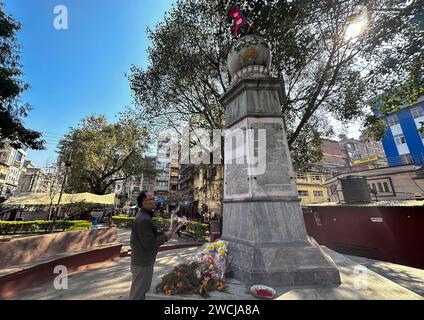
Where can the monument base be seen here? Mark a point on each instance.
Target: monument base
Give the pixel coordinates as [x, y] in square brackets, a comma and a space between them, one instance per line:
[268, 244]
[284, 264]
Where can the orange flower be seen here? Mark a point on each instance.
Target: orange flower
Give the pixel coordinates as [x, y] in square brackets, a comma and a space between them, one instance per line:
[220, 286]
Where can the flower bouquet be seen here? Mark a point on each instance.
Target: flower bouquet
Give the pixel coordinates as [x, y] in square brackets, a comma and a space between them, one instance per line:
[206, 273]
[177, 223]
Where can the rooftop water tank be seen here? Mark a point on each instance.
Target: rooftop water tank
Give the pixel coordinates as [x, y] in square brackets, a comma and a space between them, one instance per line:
[355, 189]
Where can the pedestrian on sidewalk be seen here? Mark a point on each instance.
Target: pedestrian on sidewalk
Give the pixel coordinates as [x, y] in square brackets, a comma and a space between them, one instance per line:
[145, 243]
[179, 214]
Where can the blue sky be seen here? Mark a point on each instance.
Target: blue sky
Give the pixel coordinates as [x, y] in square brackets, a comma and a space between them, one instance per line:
[80, 71]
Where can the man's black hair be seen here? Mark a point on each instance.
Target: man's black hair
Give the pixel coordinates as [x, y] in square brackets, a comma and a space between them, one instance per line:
[141, 197]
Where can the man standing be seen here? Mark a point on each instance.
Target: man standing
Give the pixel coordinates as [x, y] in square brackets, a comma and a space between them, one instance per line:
[205, 214]
[145, 243]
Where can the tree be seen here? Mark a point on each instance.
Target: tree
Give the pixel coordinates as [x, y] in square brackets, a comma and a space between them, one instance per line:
[102, 153]
[323, 72]
[11, 87]
[54, 178]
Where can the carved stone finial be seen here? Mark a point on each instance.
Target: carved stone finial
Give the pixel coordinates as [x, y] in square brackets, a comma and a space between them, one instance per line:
[250, 57]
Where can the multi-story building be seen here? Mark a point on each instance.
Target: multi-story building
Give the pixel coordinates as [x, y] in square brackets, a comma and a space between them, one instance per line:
[310, 187]
[390, 183]
[202, 184]
[127, 190]
[209, 187]
[4, 171]
[334, 160]
[12, 161]
[404, 142]
[174, 170]
[186, 181]
[168, 164]
[347, 155]
[361, 150]
[32, 179]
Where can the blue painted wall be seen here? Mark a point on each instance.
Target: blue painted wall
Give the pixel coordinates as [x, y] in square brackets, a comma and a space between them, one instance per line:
[390, 148]
[412, 137]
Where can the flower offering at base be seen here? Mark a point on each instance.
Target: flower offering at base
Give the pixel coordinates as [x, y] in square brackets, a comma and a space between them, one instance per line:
[205, 274]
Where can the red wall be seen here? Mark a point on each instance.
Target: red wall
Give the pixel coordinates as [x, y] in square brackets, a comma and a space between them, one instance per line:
[399, 238]
[28, 249]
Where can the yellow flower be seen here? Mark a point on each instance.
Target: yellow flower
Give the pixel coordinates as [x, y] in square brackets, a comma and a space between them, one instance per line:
[209, 248]
[222, 252]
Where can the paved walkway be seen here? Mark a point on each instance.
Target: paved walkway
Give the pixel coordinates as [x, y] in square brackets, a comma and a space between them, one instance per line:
[384, 281]
[371, 286]
[112, 282]
[407, 277]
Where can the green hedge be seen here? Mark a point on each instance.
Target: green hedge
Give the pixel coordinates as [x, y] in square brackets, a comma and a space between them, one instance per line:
[123, 221]
[193, 228]
[17, 227]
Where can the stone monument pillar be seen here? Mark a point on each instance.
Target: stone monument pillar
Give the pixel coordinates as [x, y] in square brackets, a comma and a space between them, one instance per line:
[263, 220]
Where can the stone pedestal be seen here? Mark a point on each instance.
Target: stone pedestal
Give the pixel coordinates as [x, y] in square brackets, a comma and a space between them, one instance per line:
[263, 221]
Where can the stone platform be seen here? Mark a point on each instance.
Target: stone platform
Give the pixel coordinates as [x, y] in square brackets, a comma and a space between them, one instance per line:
[375, 287]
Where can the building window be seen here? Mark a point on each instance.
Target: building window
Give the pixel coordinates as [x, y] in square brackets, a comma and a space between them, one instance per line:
[399, 139]
[406, 159]
[417, 112]
[303, 193]
[18, 157]
[380, 187]
[386, 187]
[213, 172]
[301, 176]
[162, 184]
[316, 177]
[393, 120]
[318, 194]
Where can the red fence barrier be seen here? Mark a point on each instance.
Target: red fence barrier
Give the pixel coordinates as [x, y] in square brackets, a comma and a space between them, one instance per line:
[393, 234]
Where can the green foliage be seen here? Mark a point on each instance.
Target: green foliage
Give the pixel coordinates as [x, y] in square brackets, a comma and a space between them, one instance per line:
[375, 128]
[197, 229]
[18, 227]
[102, 153]
[11, 87]
[123, 221]
[322, 73]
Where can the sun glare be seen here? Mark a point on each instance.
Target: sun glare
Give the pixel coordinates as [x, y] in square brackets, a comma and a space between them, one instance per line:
[358, 25]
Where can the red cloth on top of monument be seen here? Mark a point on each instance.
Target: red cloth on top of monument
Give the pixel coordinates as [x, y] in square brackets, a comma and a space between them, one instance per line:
[239, 19]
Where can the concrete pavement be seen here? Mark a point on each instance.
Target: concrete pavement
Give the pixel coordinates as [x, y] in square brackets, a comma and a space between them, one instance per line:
[112, 282]
[361, 279]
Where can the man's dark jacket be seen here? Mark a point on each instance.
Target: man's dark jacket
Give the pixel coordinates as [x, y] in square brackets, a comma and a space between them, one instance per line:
[145, 240]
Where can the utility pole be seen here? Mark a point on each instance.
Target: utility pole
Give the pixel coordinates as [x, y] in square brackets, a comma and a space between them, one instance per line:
[68, 164]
